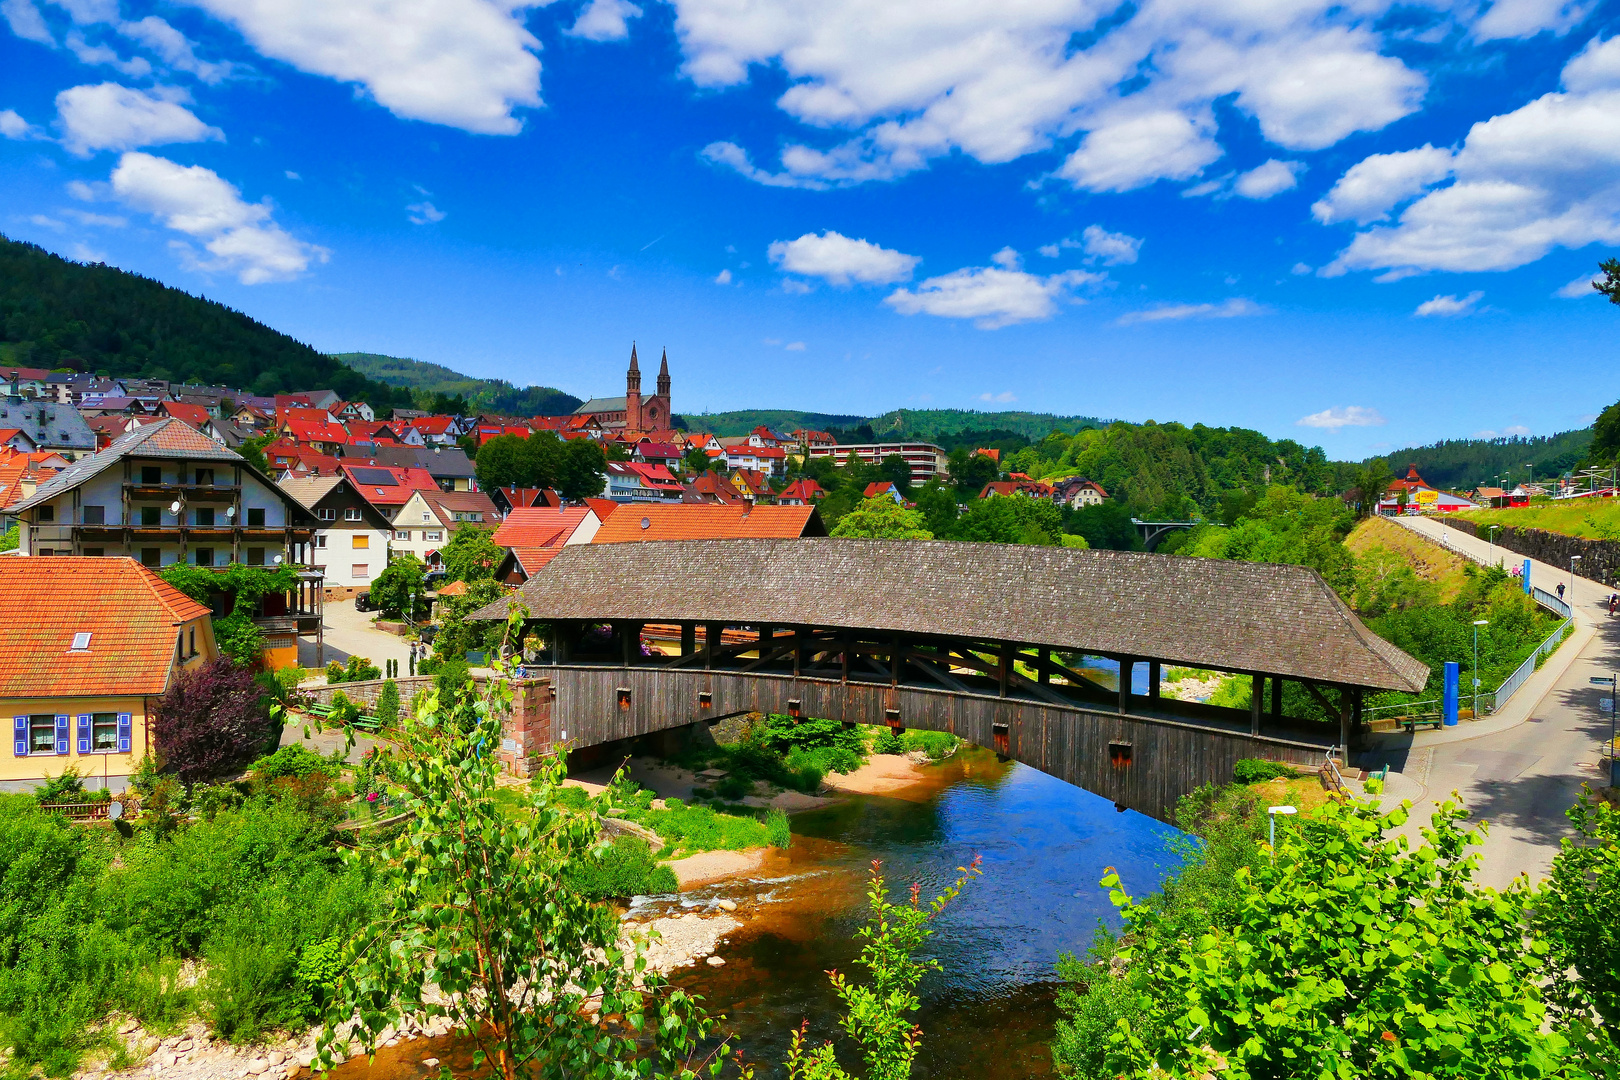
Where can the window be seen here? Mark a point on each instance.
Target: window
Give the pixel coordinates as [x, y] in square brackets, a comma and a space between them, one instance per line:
[81, 641]
[193, 651]
[362, 541]
[255, 556]
[42, 733]
[95, 553]
[151, 474]
[205, 556]
[47, 513]
[93, 515]
[362, 571]
[104, 733]
[320, 540]
[152, 557]
[403, 535]
[203, 516]
[151, 515]
[426, 516]
[432, 537]
[351, 514]
[326, 513]
[255, 517]
[205, 477]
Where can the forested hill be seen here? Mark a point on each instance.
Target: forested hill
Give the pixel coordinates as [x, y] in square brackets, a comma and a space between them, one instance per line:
[60, 314]
[1459, 464]
[933, 425]
[483, 395]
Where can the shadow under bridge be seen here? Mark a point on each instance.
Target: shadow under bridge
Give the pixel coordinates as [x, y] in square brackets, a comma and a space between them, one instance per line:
[986, 641]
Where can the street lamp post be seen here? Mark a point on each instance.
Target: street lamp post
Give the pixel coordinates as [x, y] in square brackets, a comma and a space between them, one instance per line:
[1614, 705]
[1271, 813]
[1490, 538]
[1477, 624]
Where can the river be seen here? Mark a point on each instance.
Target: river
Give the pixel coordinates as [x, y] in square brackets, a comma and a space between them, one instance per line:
[990, 1012]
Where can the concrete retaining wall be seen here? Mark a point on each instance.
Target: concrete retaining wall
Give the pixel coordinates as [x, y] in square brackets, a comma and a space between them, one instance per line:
[1600, 559]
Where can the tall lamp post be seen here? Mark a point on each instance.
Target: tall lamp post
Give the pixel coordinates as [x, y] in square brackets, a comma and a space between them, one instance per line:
[1614, 705]
[1477, 624]
[1490, 535]
[1272, 812]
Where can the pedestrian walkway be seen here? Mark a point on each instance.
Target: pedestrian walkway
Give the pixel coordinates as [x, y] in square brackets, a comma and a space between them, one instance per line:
[1519, 770]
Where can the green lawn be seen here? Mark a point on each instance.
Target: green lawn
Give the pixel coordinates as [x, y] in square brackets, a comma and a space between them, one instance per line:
[1591, 519]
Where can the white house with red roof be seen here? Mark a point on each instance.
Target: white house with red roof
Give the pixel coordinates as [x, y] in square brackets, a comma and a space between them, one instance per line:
[535, 535]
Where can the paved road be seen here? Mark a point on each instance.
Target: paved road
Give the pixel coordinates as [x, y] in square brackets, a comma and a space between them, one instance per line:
[1523, 776]
[350, 633]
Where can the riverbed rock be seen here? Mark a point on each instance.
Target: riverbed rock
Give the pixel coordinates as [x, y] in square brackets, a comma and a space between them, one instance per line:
[727, 905]
[128, 1027]
[432, 1063]
[715, 961]
[276, 1057]
[257, 1067]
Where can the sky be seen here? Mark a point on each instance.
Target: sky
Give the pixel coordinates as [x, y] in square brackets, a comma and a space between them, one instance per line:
[1361, 225]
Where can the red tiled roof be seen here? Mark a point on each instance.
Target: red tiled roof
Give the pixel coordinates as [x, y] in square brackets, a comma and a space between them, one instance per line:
[131, 615]
[648, 449]
[1033, 488]
[306, 431]
[539, 526]
[195, 415]
[711, 484]
[432, 425]
[532, 559]
[406, 482]
[697, 521]
[603, 507]
[804, 488]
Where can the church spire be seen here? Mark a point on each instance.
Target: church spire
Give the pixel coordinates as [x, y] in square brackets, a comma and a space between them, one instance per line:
[632, 378]
[663, 378]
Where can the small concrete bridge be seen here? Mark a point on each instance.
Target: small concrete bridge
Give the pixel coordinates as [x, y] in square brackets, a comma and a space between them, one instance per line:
[981, 640]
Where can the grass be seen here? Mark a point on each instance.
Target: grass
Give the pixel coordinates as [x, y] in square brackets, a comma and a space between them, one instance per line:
[1428, 560]
[690, 829]
[1590, 519]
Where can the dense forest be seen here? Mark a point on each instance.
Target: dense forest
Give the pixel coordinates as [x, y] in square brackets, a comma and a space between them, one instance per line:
[1460, 464]
[60, 314]
[427, 382]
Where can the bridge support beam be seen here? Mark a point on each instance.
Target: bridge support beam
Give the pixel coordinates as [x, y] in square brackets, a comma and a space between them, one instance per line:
[1276, 700]
[1127, 668]
[1155, 678]
[1257, 697]
[688, 638]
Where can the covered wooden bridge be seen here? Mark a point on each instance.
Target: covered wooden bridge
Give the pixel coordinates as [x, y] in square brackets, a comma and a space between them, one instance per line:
[982, 640]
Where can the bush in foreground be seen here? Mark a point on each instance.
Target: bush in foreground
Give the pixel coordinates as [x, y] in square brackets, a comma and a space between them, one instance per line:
[211, 721]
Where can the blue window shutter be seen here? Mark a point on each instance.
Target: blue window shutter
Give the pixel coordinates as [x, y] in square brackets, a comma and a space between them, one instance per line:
[62, 739]
[19, 735]
[85, 720]
[123, 732]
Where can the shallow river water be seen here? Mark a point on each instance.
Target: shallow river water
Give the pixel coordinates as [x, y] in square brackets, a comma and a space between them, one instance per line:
[989, 1012]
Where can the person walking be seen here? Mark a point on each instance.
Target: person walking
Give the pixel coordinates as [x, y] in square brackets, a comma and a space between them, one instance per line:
[1614, 601]
[1560, 590]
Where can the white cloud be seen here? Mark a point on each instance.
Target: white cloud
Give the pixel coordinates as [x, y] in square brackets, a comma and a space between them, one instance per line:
[111, 221]
[723, 278]
[992, 296]
[841, 260]
[1580, 288]
[81, 191]
[89, 12]
[1448, 306]
[900, 84]
[46, 222]
[112, 117]
[1004, 398]
[605, 20]
[1051, 251]
[1272, 178]
[463, 63]
[1544, 176]
[1300, 268]
[1236, 307]
[175, 48]
[136, 67]
[794, 346]
[795, 287]
[1135, 152]
[13, 126]
[424, 213]
[1342, 417]
[1008, 259]
[735, 157]
[197, 202]
[26, 21]
[1527, 18]
[292, 175]
[1109, 248]
[1376, 185]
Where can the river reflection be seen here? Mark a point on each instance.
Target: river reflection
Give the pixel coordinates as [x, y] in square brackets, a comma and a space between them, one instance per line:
[990, 1013]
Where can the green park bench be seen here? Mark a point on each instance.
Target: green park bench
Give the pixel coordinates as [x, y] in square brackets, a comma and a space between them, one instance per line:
[1412, 723]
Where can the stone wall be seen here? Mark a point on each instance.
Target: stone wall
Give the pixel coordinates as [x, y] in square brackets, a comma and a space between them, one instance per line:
[1600, 559]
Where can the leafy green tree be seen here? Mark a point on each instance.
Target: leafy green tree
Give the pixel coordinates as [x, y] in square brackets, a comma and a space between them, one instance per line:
[252, 451]
[1352, 955]
[12, 537]
[499, 462]
[482, 922]
[582, 471]
[1610, 285]
[387, 708]
[471, 554]
[540, 459]
[938, 506]
[1010, 519]
[1105, 525]
[1578, 912]
[245, 587]
[1605, 446]
[970, 472]
[697, 461]
[458, 634]
[882, 518]
[398, 589]
[1372, 483]
[896, 471]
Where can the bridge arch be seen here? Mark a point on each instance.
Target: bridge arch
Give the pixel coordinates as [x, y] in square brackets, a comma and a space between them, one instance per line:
[979, 640]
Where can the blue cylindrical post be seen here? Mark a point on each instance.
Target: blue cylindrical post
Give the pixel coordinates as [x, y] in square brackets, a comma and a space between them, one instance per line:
[1527, 577]
[1449, 705]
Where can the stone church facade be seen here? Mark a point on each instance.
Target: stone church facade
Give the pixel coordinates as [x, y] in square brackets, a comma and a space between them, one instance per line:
[633, 414]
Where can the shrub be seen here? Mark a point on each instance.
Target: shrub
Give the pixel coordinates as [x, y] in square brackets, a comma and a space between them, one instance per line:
[336, 673]
[776, 829]
[361, 669]
[66, 787]
[734, 787]
[211, 721]
[1374, 786]
[295, 759]
[387, 708]
[888, 742]
[344, 712]
[623, 868]
[698, 828]
[1255, 770]
[936, 744]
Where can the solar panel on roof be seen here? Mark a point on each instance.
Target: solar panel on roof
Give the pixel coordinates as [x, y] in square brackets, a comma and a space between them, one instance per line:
[373, 476]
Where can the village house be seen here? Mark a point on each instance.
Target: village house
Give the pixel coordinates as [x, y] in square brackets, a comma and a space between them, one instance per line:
[884, 489]
[86, 647]
[752, 485]
[313, 428]
[508, 499]
[49, 424]
[424, 524]
[687, 521]
[533, 537]
[802, 492]
[635, 481]
[385, 487]
[164, 493]
[1019, 485]
[1076, 492]
[711, 487]
[351, 545]
[449, 466]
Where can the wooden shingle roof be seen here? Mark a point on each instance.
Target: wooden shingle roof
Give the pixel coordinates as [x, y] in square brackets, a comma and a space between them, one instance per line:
[1213, 613]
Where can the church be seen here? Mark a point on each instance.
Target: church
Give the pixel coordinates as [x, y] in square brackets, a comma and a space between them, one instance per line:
[633, 415]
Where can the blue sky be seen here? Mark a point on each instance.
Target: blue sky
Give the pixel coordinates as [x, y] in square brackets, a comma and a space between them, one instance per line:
[1360, 225]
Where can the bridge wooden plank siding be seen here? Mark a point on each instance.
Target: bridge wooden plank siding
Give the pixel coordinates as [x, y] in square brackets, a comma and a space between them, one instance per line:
[939, 636]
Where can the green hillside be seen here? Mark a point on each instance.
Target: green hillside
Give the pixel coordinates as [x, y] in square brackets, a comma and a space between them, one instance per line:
[742, 421]
[1459, 464]
[427, 381]
[60, 314]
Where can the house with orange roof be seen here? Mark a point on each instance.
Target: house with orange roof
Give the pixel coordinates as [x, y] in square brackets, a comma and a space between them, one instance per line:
[1077, 491]
[17, 439]
[314, 428]
[437, 430]
[1035, 489]
[351, 411]
[20, 475]
[807, 438]
[195, 415]
[534, 536]
[657, 453]
[508, 499]
[743, 455]
[711, 487]
[688, 521]
[424, 524]
[883, 489]
[751, 485]
[86, 647]
[636, 481]
[802, 492]
[388, 488]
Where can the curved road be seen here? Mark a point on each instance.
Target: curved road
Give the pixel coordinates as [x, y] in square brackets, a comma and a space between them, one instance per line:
[1522, 769]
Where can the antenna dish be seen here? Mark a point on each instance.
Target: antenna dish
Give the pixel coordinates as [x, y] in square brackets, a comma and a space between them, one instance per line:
[230, 512]
[174, 507]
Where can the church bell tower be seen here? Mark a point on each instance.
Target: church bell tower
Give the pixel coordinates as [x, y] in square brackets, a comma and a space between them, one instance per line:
[632, 394]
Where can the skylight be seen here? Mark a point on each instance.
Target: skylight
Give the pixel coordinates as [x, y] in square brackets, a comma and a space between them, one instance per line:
[81, 641]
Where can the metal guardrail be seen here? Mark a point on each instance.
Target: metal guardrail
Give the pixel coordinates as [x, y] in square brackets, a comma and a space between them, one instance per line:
[1551, 602]
[1413, 707]
[1513, 682]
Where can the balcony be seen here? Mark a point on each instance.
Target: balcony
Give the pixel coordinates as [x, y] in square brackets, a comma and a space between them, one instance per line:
[206, 493]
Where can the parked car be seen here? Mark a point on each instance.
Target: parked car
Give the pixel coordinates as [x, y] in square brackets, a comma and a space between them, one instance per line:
[363, 602]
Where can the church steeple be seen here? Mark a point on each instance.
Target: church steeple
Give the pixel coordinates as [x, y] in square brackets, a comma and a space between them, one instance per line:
[663, 376]
[632, 378]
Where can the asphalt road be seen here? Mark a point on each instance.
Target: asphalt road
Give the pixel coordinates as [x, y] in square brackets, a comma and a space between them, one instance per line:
[350, 633]
[1522, 779]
